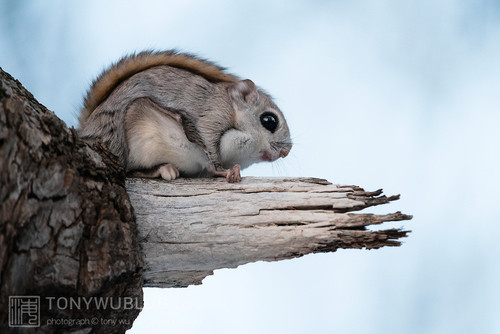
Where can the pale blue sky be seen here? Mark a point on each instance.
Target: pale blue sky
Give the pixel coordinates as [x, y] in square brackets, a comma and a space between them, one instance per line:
[400, 95]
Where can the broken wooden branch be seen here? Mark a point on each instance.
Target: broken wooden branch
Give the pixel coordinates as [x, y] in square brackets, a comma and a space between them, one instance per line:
[190, 227]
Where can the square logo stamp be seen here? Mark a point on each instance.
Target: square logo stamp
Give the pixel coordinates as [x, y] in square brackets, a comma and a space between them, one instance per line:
[24, 311]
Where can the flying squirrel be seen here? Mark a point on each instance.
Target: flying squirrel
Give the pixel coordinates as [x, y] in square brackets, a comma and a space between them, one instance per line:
[165, 114]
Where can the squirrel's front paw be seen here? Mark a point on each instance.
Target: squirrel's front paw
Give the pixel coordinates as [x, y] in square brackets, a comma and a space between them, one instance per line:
[232, 175]
[168, 172]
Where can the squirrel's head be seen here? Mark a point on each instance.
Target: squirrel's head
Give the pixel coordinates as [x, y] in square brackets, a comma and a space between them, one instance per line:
[261, 132]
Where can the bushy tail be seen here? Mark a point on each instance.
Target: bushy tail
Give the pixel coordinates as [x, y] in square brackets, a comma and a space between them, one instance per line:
[102, 87]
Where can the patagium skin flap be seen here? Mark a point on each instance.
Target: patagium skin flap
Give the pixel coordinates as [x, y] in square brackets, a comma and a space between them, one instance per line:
[165, 114]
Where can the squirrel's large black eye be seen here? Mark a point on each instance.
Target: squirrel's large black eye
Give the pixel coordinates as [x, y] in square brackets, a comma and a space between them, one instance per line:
[269, 121]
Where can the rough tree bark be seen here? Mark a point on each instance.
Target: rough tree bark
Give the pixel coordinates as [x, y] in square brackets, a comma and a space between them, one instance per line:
[68, 228]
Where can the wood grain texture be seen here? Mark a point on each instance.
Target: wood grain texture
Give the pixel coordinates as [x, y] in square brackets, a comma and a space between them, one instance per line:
[190, 227]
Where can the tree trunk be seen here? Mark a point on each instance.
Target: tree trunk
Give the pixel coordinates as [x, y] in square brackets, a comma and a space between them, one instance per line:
[190, 227]
[67, 229]
[68, 233]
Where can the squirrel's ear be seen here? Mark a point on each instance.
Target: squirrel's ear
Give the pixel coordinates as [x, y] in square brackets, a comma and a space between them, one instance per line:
[244, 91]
